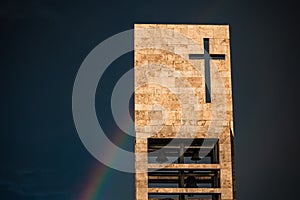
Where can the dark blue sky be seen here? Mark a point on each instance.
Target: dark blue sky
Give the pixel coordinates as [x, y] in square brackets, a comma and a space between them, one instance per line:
[43, 43]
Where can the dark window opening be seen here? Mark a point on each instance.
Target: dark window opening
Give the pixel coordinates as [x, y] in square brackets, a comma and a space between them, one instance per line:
[185, 151]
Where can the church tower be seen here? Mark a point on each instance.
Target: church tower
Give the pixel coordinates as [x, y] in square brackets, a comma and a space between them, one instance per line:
[183, 112]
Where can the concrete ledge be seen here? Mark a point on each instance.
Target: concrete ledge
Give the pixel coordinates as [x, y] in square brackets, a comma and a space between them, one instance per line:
[184, 190]
[184, 166]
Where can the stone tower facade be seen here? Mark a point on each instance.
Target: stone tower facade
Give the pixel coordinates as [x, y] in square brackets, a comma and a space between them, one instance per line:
[183, 112]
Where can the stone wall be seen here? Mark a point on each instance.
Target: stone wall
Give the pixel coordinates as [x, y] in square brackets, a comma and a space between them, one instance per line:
[170, 92]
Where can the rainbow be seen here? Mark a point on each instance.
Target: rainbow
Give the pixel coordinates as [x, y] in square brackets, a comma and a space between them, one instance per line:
[97, 180]
[95, 184]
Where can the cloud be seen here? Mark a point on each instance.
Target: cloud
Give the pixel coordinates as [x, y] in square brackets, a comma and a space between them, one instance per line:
[9, 194]
[32, 184]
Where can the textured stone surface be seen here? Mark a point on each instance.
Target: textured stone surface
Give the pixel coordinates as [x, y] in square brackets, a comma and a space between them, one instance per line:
[170, 95]
[185, 190]
[183, 166]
